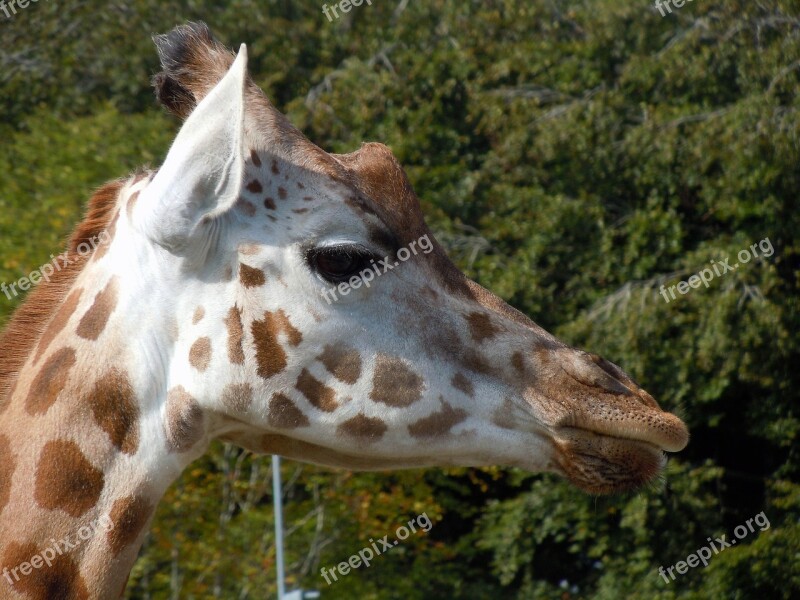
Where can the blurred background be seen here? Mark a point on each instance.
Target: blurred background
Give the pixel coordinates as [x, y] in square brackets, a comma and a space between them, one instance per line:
[572, 157]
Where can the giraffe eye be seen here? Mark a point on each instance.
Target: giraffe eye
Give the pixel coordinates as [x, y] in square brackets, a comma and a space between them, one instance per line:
[339, 263]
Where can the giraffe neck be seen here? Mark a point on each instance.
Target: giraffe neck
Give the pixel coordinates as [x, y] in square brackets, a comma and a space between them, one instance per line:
[87, 448]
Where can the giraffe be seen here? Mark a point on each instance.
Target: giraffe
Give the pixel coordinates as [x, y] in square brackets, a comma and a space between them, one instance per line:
[203, 316]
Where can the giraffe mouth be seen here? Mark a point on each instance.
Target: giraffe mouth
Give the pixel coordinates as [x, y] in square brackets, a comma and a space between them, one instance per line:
[599, 463]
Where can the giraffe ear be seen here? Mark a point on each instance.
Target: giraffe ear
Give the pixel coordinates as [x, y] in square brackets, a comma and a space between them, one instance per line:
[201, 177]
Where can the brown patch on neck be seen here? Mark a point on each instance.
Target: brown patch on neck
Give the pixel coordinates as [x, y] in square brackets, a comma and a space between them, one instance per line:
[235, 336]
[28, 322]
[60, 579]
[66, 480]
[184, 425]
[58, 322]
[129, 516]
[49, 381]
[250, 276]
[114, 406]
[96, 318]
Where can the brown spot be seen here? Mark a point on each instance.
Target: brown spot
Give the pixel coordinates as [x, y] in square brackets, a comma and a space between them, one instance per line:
[269, 203]
[518, 362]
[300, 185]
[184, 420]
[308, 198]
[114, 406]
[271, 218]
[132, 204]
[250, 276]
[227, 274]
[299, 211]
[96, 318]
[504, 416]
[129, 516]
[343, 362]
[275, 169]
[363, 427]
[235, 336]
[319, 394]
[246, 207]
[7, 467]
[282, 193]
[49, 381]
[199, 313]
[255, 158]
[460, 382]
[438, 423]
[270, 356]
[101, 246]
[61, 579]
[66, 480]
[200, 354]
[394, 383]
[283, 413]
[237, 396]
[481, 326]
[476, 363]
[58, 322]
[254, 186]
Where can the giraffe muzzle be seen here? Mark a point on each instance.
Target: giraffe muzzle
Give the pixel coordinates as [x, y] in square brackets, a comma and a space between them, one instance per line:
[614, 405]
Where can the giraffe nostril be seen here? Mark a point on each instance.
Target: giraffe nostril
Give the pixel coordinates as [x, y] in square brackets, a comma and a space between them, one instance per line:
[622, 377]
[596, 372]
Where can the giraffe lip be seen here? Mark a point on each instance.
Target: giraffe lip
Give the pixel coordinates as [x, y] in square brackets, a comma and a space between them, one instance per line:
[601, 464]
[674, 443]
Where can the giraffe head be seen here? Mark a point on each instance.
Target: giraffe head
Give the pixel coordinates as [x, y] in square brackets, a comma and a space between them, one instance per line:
[310, 311]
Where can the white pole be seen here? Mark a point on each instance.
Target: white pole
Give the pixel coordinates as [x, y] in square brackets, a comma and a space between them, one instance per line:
[277, 500]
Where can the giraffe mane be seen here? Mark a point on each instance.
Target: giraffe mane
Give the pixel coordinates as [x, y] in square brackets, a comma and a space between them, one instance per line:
[28, 322]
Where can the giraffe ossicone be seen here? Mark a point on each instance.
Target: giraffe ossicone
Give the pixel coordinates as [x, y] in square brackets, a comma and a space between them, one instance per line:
[204, 317]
